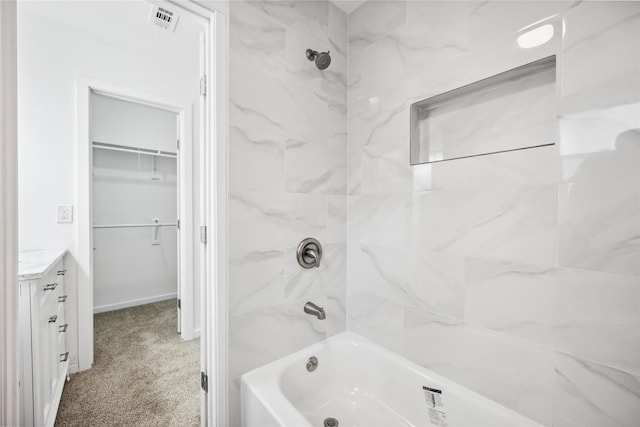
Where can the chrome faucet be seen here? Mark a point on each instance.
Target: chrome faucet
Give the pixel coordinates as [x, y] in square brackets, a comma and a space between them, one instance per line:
[311, 308]
[309, 253]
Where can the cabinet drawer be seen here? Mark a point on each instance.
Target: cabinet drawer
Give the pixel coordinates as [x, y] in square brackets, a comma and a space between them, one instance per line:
[54, 280]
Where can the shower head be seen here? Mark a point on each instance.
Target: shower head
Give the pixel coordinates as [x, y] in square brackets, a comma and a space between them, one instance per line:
[322, 58]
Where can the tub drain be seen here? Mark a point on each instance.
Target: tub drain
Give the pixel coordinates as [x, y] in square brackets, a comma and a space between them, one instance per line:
[330, 422]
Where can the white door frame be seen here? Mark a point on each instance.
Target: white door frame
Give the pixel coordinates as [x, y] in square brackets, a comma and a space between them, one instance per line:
[9, 362]
[87, 87]
[214, 152]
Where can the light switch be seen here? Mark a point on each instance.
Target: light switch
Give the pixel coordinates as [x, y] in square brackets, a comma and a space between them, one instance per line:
[64, 213]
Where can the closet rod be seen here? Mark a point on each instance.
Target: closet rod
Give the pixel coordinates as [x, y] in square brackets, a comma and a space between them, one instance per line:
[136, 225]
[122, 148]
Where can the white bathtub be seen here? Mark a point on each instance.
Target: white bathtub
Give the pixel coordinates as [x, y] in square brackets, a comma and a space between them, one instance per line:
[361, 384]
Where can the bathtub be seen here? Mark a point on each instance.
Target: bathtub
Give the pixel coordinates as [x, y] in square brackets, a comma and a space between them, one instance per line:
[359, 383]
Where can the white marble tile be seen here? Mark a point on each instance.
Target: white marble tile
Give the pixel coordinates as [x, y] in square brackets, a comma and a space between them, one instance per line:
[317, 168]
[597, 316]
[266, 221]
[263, 336]
[354, 170]
[301, 282]
[338, 28]
[414, 277]
[336, 219]
[235, 400]
[536, 166]
[488, 60]
[373, 20]
[588, 314]
[511, 223]
[599, 226]
[337, 132]
[256, 280]
[511, 372]
[386, 170]
[437, 282]
[255, 164]
[504, 19]
[255, 38]
[386, 272]
[311, 16]
[299, 69]
[378, 145]
[336, 286]
[600, 46]
[435, 31]
[377, 319]
[354, 271]
[366, 78]
[516, 299]
[336, 310]
[591, 395]
[422, 177]
[590, 125]
[283, 109]
[380, 220]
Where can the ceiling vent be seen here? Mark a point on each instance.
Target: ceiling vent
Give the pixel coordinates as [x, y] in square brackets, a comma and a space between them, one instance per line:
[163, 18]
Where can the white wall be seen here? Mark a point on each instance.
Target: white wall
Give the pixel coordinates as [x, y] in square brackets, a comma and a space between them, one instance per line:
[128, 269]
[109, 41]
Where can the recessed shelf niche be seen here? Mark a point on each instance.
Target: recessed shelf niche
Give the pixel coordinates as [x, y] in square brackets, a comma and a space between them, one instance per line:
[510, 111]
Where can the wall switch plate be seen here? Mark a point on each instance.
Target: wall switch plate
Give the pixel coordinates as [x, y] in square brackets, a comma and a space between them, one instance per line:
[64, 213]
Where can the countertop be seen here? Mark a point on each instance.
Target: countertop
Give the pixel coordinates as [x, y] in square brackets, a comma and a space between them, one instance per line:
[35, 264]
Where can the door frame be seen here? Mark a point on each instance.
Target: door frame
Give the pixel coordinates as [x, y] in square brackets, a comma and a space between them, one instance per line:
[87, 87]
[214, 152]
[9, 361]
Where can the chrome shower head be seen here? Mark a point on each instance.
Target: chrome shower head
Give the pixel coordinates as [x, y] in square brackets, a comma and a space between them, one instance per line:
[322, 58]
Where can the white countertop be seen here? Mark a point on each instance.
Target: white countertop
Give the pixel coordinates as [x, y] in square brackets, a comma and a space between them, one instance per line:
[34, 264]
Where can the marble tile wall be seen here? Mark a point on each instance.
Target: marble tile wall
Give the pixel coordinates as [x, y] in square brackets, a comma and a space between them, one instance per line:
[287, 179]
[515, 274]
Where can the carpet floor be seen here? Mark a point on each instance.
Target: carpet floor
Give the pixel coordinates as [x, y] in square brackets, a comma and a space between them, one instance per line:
[143, 374]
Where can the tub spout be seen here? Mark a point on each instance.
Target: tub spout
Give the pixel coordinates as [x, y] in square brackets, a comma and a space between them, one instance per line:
[311, 308]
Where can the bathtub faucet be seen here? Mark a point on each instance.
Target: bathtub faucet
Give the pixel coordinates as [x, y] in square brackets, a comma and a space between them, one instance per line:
[311, 308]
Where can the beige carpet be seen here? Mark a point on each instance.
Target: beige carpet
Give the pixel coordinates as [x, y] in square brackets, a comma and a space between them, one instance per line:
[143, 374]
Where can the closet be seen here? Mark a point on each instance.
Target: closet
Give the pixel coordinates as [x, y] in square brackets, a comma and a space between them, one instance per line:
[135, 203]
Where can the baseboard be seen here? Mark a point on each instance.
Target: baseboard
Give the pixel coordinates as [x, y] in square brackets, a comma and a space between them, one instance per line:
[74, 368]
[133, 303]
[196, 333]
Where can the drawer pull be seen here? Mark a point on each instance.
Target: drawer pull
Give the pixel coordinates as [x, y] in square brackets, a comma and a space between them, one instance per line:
[63, 328]
[50, 286]
[62, 298]
[64, 357]
[53, 319]
[62, 272]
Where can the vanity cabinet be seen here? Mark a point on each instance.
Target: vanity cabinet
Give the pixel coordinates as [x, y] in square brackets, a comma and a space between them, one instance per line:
[43, 338]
